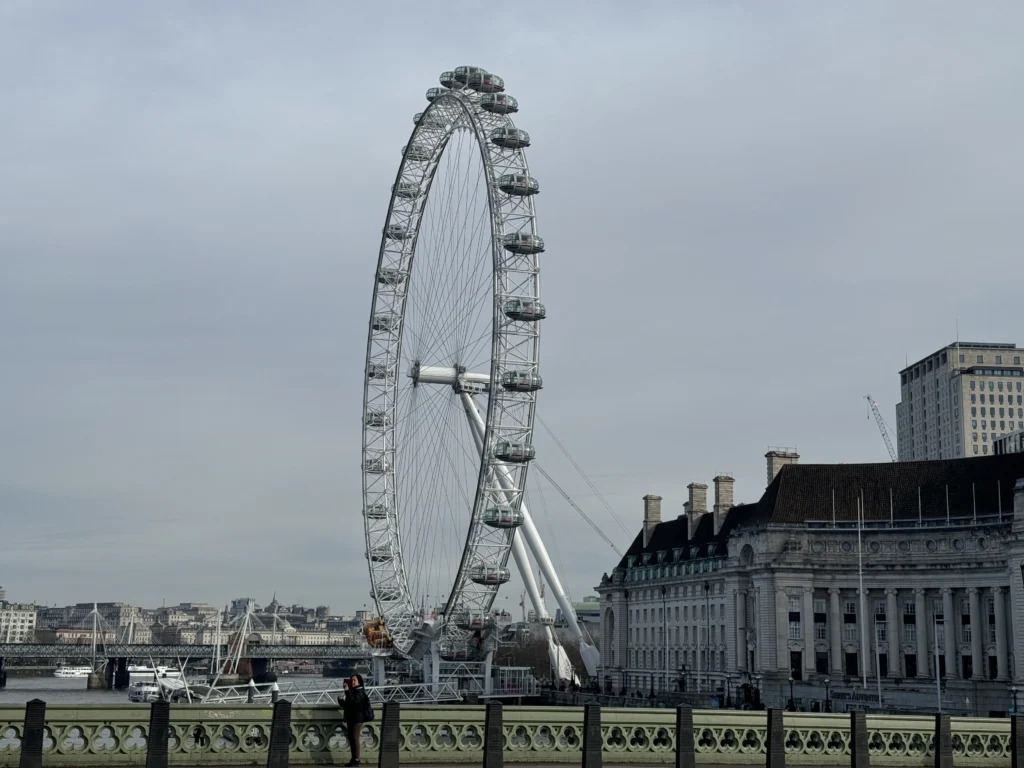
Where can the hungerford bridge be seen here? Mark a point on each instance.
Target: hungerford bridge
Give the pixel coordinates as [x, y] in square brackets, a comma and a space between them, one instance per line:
[119, 654]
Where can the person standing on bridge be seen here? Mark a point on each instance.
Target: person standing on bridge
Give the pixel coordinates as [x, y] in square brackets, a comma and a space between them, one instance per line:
[356, 710]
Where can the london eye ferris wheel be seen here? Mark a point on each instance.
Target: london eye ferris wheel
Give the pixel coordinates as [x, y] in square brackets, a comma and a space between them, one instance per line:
[453, 372]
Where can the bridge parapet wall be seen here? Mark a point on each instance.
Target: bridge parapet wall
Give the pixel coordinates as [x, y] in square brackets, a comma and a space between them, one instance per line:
[239, 735]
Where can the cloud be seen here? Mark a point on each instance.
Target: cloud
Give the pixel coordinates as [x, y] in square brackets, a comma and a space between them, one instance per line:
[752, 215]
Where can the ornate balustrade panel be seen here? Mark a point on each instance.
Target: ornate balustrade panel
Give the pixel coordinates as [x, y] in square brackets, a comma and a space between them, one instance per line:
[239, 735]
[11, 721]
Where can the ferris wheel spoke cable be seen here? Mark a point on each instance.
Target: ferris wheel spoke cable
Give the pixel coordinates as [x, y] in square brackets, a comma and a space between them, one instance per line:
[577, 507]
[483, 293]
[451, 320]
[426, 524]
[582, 474]
[422, 492]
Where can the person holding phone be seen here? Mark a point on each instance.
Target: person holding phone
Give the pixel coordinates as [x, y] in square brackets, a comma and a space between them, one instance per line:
[356, 710]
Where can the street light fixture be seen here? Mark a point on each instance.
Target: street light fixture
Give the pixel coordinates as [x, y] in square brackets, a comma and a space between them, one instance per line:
[1013, 690]
[792, 703]
[828, 695]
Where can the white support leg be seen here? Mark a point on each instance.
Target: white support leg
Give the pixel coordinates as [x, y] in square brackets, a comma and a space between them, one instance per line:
[590, 655]
[379, 673]
[476, 426]
[488, 683]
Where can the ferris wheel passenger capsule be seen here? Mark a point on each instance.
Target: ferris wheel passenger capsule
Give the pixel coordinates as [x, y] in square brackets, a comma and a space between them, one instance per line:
[502, 517]
[397, 232]
[378, 371]
[521, 381]
[377, 466]
[523, 243]
[463, 74]
[435, 93]
[417, 153]
[376, 418]
[407, 190]
[376, 512]
[518, 184]
[525, 310]
[447, 79]
[472, 620]
[507, 137]
[385, 321]
[499, 103]
[381, 554]
[514, 453]
[386, 594]
[390, 276]
[489, 575]
[431, 120]
[485, 82]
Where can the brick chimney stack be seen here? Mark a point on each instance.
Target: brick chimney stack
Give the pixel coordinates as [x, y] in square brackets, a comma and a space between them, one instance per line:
[778, 458]
[652, 515]
[723, 499]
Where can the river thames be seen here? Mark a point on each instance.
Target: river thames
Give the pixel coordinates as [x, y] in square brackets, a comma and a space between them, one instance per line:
[53, 690]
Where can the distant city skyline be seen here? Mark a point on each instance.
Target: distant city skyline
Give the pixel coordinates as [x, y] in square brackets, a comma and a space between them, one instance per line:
[753, 217]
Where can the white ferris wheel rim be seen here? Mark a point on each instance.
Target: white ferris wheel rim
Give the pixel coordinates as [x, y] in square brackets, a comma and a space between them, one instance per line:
[514, 248]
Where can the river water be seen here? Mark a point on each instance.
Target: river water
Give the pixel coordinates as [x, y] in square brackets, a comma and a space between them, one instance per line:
[55, 690]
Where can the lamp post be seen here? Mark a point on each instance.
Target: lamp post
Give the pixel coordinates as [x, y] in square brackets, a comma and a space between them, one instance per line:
[664, 637]
[728, 691]
[828, 695]
[792, 704]
[707, 630]
[1013, 691]
[757, 690]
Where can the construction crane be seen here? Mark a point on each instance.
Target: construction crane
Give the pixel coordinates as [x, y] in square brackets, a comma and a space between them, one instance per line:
[882, 426]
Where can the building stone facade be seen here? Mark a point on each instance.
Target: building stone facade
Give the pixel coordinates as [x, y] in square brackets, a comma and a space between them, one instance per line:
[958, 401]
[17, 622]
[793, 586]
[1012, 443]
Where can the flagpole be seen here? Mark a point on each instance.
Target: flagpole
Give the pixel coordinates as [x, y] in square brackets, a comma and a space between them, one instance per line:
[863, 599]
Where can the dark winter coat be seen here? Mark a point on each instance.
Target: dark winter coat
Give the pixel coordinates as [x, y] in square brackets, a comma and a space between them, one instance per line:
[355, 706]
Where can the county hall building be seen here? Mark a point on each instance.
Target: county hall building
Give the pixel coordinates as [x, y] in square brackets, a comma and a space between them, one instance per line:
[764, 599]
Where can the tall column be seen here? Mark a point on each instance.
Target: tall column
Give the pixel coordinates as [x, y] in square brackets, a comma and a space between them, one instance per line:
[835, 629]
[1002, 660]
[921, 629]
[781, 630]
[865, 629]
[741, 631]
[807, 614]
[892, 633]
[949, 633]
[977, 634]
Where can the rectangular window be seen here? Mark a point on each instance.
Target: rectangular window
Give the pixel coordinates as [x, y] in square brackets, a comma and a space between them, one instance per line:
[851, 665]
[910, 633]
[820, 632]
[849, 633]
[910, 662]
[794, 630]
[821, 662]
[794, 604]
[819, 606]
[880, 632]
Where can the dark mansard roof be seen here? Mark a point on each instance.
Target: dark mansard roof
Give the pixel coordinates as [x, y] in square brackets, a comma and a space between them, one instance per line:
[803, 494]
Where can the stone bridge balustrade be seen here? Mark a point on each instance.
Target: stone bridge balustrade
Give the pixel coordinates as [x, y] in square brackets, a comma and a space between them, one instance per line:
[239, 735]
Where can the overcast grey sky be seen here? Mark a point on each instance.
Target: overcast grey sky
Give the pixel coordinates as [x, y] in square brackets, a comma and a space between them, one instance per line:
[753, 212]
